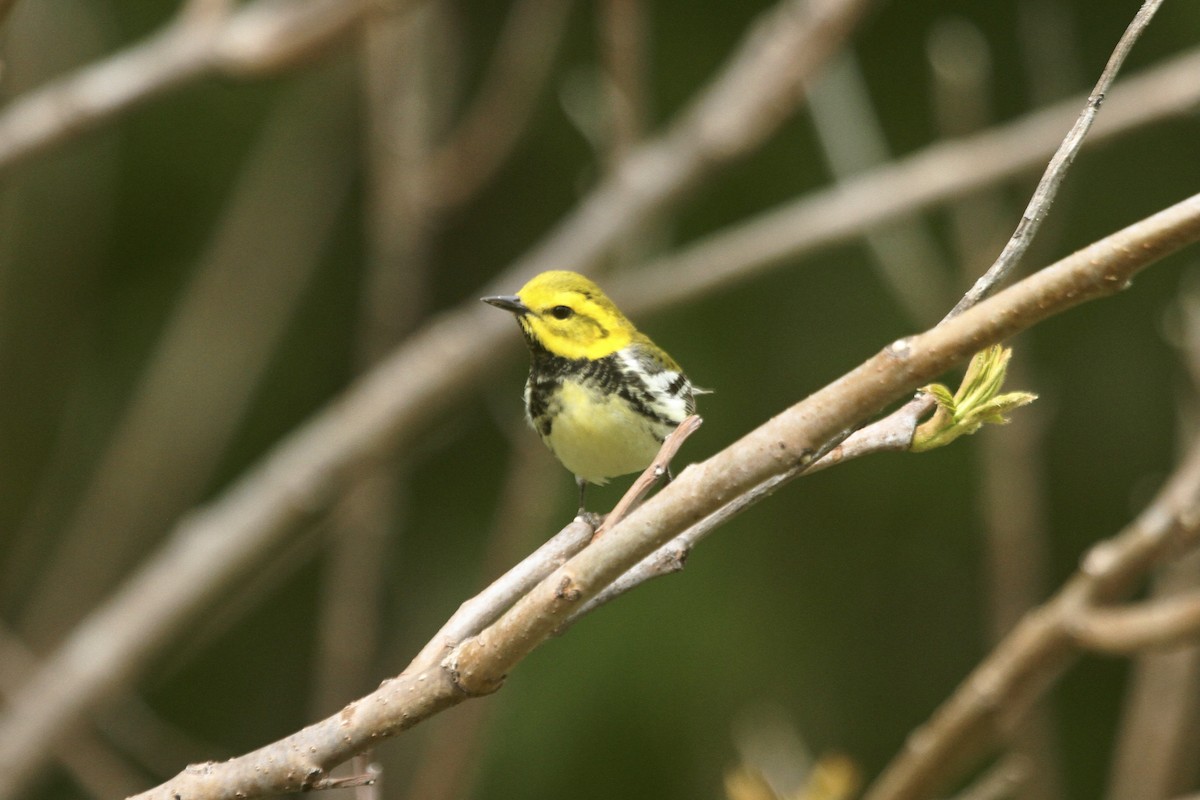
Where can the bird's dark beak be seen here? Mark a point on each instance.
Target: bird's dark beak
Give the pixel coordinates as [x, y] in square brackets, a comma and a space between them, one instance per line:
[509, 302]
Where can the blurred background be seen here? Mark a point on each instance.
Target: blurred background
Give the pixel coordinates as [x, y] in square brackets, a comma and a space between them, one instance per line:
[186, 284]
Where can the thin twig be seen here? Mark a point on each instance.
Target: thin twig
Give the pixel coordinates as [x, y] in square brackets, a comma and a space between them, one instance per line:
[939, 173]
[658, 469]
[895, 435]
[367, 778]
[623, 108]
[1154, 624]
[622, 27]
[348, 625]
[398, 58]
[401, 64]
[1056, 171]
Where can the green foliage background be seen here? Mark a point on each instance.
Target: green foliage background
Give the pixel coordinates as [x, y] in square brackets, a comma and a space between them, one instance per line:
[851, 603]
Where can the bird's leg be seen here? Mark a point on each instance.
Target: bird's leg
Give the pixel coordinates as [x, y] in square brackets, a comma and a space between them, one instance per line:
[589, 517]
[582, 484]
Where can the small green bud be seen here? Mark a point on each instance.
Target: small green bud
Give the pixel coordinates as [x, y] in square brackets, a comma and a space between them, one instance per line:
[976, 403]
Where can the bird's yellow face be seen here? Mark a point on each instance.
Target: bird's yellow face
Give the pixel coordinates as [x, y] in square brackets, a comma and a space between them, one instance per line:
[569, 316]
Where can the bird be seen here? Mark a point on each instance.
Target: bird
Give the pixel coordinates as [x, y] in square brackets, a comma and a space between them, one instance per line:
[600, 394]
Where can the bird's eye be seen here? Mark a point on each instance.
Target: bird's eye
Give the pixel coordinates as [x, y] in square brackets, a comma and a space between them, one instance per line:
[561, 312]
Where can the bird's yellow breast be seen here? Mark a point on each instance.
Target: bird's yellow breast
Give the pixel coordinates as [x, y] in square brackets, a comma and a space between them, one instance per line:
[598, 435]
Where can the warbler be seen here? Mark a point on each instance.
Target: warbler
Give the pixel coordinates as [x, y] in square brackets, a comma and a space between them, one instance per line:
[602, 396]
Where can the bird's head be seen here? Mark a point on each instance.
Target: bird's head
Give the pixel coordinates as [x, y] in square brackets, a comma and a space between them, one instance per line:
[567, 315]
